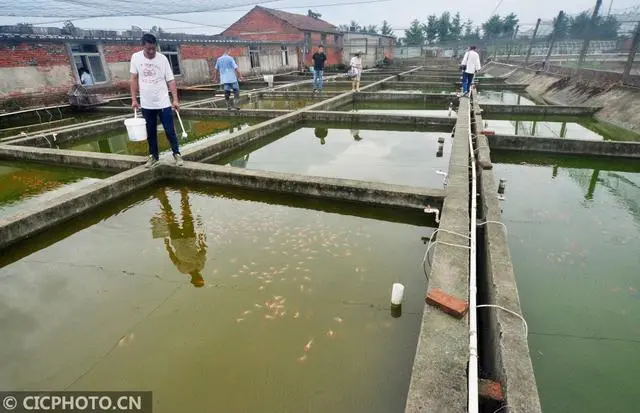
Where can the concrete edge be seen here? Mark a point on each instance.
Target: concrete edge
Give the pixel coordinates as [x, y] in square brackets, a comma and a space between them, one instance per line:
[616, 149]
[439, 376]
[369, 118]
[32, 221]
[562, 110]
[362, 192]
[65, 157]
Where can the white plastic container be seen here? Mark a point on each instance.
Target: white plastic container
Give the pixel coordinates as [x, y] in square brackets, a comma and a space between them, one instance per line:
[136, 128]
[397, 292]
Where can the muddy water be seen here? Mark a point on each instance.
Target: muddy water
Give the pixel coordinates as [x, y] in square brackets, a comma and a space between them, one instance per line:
[213, 299]
[47, 120]
[504, 97]
[542, 128]
[281, 104]
[197, 130]
[396, 157]
[574, 236]
[22, 183]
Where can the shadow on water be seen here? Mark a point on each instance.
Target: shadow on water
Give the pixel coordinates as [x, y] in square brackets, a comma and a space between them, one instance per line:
[565, 161]
[184, 234]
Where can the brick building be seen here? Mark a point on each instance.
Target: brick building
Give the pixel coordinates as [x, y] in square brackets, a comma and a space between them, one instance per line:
[263, 24]
[40, 68]
[374, 47]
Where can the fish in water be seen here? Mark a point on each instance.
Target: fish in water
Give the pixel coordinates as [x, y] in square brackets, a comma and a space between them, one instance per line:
[245, 312]
[307, 346]
[261, 288]
[277, 297]
[268, 317]
[239, 320]
[302, 358]
[257, 305]
[338, 319]
[331, 334]
[126, 339]
[296, 315]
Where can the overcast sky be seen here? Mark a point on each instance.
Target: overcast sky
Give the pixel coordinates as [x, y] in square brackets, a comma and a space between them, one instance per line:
[399, 13]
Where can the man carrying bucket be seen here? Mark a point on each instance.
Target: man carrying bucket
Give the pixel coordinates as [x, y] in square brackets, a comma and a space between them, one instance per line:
[151, 72]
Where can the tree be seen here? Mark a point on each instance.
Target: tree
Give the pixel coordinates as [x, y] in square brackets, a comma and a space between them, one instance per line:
[444, 26]
[313, 14]
[579, 25]
[25, 28]
[385, 30]
[400, 42]
[343, 27]
[414, 35]
[431, 29]
[456, 27]
[493, 27]
[561, 27]
[468, 29]
[157, 30]
[354, 26]
[370, 29]
[607, 28]
[509, 24]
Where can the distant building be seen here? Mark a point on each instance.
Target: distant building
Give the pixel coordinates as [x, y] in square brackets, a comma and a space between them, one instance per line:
[263, 24]
[40, 66]
[374, 47]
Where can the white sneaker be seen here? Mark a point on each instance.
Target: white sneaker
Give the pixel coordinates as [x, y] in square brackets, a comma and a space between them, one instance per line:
[178, 158]
[150, 162]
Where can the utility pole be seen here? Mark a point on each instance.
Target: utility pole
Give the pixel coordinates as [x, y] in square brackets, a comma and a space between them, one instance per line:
[632, 54]
[533, 39]
[554, 35]
[588, 33]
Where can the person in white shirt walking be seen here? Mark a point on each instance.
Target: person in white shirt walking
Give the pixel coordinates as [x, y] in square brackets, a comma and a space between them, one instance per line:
[470, 65]
[151, 72]
[85, 77]
[356, 69]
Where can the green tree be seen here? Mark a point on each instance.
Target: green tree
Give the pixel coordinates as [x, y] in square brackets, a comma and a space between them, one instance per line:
[431, 29]
[444, 26]
[386, 29]
[354, 27]
[370, 29]
[468, 29]
[509, 24]
[561, 27]
[579, 25]
[607, 28]
[343, 27]
[493, 27]
[456, 27]
[313, 14]
[414, 35]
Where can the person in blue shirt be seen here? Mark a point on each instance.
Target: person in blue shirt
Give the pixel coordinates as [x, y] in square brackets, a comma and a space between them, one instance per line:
[227, 69]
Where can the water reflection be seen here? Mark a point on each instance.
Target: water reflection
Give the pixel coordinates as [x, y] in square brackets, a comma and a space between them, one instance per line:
[240, 162]
[185, 242]
[321, 133]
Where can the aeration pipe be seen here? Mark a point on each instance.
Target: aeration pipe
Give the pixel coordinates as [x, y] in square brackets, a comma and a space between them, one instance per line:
[473, 284]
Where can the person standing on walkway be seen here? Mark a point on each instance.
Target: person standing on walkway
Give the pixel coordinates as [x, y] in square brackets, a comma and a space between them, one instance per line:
[356, 71]
[227, 69]
[318, 69]
[85, 77]
[470, 65]
[151, 73]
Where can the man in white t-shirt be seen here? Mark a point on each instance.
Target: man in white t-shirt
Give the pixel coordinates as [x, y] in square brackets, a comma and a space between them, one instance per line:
[151, 72]
[356, 70]
[470, 65]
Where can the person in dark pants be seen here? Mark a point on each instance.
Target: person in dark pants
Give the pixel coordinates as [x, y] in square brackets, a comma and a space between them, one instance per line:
[187, 249]
[151, 73]
[229, 76]
[318, 69]
[470, 64]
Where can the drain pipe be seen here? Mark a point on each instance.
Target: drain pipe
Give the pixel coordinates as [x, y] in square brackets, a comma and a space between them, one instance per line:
[473, 322]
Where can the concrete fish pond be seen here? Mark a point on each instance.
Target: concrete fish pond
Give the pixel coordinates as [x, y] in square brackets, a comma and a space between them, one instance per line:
[232, 290]
[197, 129]
[574, 235]
[22, 183]
[398, 157]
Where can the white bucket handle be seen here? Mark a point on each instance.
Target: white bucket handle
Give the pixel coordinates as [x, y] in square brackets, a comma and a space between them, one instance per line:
[135, 113]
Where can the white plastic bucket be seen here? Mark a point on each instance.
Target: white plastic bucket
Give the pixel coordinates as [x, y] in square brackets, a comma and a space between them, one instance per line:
[136, 128]
[397, 292]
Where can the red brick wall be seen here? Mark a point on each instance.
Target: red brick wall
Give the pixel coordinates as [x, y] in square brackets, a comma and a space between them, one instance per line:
[114, 53]
[260, 25]
[42, 55]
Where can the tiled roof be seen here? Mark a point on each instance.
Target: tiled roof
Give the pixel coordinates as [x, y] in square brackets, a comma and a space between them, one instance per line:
[302, 22]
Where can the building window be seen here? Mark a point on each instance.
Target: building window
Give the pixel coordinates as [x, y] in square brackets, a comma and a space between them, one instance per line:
[171, 52]
[87, 56]
[323, 39]
[254, 57]
[307, 41]
[285, 55]
[336, 39]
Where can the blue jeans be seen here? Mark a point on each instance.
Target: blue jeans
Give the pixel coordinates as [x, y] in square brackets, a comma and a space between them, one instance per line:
[467, 80]
[232, 87]
[317, 79]
[166, 117]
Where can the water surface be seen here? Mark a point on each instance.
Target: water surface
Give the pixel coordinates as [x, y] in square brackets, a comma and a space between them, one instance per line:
[208, 298]
[574, 236]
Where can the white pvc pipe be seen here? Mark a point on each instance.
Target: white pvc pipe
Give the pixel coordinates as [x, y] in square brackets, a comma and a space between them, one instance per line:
[473, 323]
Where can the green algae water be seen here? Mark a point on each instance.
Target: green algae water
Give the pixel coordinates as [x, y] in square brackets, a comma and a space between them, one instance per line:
[210, 298]
[47, 120]
[23, 183]
[278, 104]
[574, 236]
[197, 130]
[395, 157]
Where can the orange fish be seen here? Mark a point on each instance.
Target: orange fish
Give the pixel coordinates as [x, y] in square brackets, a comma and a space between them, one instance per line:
[307, 347]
